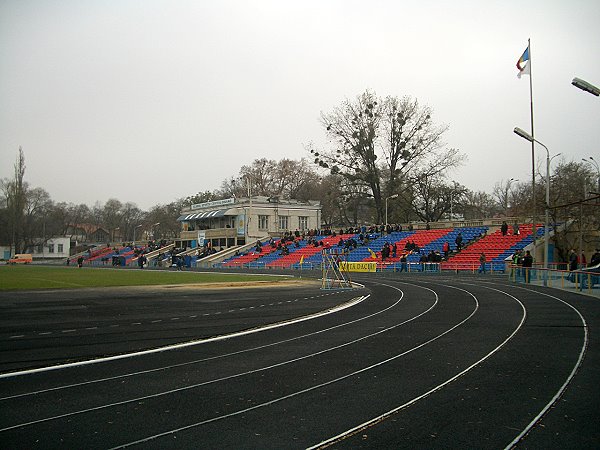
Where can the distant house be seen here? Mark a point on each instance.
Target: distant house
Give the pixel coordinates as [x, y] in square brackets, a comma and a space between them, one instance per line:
[88, 233]
[52, 248]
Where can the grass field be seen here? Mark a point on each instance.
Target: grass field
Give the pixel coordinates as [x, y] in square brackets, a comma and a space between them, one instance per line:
[43, 277]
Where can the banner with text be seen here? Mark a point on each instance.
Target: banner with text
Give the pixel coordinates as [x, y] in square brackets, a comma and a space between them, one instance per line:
[358, 266]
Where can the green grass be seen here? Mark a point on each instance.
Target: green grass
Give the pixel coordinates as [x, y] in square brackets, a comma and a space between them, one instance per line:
[43, 277]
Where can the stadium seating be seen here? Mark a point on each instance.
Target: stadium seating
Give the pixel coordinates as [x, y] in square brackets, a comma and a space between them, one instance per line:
[496, 248]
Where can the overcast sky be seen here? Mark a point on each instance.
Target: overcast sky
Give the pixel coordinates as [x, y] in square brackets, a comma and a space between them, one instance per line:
[152, 100]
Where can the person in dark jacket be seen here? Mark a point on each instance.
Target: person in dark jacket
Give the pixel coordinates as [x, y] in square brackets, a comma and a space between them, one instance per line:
[527, 265]
[458, 242]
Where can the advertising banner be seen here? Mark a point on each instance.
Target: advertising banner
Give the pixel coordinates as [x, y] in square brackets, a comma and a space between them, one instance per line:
[358, 266]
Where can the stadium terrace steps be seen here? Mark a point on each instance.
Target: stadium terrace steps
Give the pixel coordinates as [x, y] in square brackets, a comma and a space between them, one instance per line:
[307, 251]
[421, 238]
[249, 257]
[495, 246]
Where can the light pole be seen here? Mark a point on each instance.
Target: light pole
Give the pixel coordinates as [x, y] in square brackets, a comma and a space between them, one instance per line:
[585, 86]
[528, 137]
[506, 193]
[135, 228]
[113, 234]
[594, 164]
[386, 207]
[152, 228]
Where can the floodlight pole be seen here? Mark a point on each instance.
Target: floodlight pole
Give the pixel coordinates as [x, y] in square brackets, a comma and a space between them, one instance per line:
[530, 138]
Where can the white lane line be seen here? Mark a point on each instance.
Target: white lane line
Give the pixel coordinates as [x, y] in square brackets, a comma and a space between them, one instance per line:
[193, 317]
[374, 420]
[343, 377]
[272, 326]
[17, 336]
[211, 358]
[91, 328]
[238, 375]
[174, 318]
[68, 331]
[45, 333]
[156, 321]
[562, 389]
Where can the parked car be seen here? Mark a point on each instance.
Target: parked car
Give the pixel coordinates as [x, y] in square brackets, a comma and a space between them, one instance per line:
[21, 258]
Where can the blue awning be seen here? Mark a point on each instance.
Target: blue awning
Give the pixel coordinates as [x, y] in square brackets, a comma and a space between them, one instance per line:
[202, 215]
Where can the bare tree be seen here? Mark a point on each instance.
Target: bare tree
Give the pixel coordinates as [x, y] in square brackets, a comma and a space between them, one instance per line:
[505, 194]
[14, 192]
[376, 142]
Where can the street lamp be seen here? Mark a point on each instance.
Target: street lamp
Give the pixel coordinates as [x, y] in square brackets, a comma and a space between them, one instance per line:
[135, 228]
[594, 163]
[530, 138]
[507, 192]
[152, 228]
[113, 233]
[386, 207]
[585, 86]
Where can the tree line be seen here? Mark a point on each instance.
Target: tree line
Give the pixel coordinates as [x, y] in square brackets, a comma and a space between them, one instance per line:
[382, 154]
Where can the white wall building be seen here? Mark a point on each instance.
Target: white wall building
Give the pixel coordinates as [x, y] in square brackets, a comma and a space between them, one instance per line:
[237, 221]
[53, 248]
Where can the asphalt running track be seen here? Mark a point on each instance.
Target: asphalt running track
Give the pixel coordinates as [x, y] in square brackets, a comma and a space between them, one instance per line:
[420, 362]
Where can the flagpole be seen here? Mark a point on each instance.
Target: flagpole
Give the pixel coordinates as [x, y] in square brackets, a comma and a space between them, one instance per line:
[533, 206]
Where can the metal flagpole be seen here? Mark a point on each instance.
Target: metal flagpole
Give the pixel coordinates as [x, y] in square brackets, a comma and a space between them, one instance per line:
[533, 206]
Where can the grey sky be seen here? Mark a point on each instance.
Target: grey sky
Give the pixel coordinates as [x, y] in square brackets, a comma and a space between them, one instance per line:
[148, 101]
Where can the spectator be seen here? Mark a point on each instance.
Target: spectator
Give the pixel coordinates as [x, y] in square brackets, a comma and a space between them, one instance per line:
[458, 242]
[527, 265]
[403, 267]
[572, 260]
[504, 228]
[482, 261]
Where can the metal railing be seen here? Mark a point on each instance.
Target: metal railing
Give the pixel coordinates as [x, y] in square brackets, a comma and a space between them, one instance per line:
[576, 280]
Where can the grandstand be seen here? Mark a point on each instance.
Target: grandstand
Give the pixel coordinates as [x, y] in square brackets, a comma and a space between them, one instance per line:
[475, 240]
[496, 247]
[249, 257]
[309, 253]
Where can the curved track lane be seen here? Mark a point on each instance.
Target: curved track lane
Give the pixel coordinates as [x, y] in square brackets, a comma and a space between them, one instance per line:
[420, 363]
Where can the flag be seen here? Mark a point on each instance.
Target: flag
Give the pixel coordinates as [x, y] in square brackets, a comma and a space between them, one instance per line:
[373, 255]
[301, 259]
[523, 64]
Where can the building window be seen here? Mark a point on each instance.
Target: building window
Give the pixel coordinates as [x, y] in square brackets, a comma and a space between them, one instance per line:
[283, 222]
[263, 222]
[60, 248]
[50, 248]
[303, 223]
[40, 248]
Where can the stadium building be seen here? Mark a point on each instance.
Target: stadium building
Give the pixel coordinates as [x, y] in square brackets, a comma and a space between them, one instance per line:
[237, 221]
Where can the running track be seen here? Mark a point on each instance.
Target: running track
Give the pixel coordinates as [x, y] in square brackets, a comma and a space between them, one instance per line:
[415, 362]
